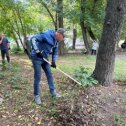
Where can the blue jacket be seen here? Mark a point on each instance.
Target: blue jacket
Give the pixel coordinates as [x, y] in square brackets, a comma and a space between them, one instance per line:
[3, 45]
[47, 44]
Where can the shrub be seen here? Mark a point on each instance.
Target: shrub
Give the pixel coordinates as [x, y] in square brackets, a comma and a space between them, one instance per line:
[16, 49]
[84, 77]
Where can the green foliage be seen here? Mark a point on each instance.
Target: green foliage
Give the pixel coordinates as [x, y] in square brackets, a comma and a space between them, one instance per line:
[2, 75]
[53, 112]
[120, 119]
[84, 77]
[16, 50]
[16, 17]
[15, 82]
[123, 34]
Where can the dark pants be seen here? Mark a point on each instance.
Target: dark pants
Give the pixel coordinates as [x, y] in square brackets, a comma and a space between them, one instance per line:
[37, 76]
[3, 53]
[93, 52]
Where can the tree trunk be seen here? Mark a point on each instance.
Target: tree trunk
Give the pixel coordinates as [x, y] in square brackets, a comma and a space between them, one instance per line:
[90, 32]
[111, 32]
[85, 38]
[21, 22]
[60, 23]
[83, 27]
[14, 36]
[18, 29]
[17, 44]
[74, 37]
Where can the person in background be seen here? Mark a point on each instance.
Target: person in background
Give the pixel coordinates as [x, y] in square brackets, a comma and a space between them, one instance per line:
[123, 45]
[43, 45]
[95, 46]
[4, 47]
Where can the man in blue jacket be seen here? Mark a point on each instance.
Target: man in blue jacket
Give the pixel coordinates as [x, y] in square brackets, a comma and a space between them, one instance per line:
[43, 45]
[4, 47]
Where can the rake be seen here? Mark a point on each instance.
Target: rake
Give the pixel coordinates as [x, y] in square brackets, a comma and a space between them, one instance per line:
[63, 72]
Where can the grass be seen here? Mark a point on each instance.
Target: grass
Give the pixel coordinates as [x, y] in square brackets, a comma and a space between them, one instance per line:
[120, 71]
[71, 62]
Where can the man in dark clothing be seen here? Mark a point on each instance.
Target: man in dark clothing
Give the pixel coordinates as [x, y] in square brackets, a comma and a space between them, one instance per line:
[44, 44]
[123, 45]
[4, 46]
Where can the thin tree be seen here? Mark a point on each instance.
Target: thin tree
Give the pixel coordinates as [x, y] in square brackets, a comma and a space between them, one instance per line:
[49, 12]
[74, 36]
[83, 26]
[111, 32]
[60, 23]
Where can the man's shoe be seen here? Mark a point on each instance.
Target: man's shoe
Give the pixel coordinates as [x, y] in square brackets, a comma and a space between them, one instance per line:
[55, 94]
[37, 99]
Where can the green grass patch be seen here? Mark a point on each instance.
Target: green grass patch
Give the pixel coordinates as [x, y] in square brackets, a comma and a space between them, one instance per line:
[70, 63]
[120, 71]
[15, 82]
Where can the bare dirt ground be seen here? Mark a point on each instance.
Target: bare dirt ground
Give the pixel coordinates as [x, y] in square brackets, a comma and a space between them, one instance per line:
[94, 106]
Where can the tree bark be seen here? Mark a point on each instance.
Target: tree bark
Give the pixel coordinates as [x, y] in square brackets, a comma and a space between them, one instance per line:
[18, 29]
[60, 23]
[14, 36]
[74, 37]
[111, 32]
[90, 32]
[83, 27]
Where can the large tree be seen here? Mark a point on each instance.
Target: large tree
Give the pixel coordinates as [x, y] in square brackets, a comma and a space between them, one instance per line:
[111, 32]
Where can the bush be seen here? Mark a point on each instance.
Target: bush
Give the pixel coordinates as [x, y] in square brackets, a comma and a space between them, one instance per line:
[83, 76]
[16, 50]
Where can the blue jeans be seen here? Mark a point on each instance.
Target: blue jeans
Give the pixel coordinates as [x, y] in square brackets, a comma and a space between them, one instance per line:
[38, 64]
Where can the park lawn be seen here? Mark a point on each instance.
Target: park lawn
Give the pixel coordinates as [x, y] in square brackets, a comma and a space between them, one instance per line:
[120, 71]
[70, 63]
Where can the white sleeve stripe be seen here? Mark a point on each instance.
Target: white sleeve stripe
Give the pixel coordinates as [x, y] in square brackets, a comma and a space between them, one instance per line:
[34, 44]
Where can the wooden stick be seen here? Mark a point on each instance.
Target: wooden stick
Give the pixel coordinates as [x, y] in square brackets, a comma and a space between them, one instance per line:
[63, 72]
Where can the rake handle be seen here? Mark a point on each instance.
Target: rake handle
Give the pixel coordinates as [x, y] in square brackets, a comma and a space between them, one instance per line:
[63, 72]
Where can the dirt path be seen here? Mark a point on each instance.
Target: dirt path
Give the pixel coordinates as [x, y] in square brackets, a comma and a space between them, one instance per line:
[110, 104]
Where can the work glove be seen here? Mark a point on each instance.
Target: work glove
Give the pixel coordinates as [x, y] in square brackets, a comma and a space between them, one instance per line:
[39, 54]
[53, 64]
